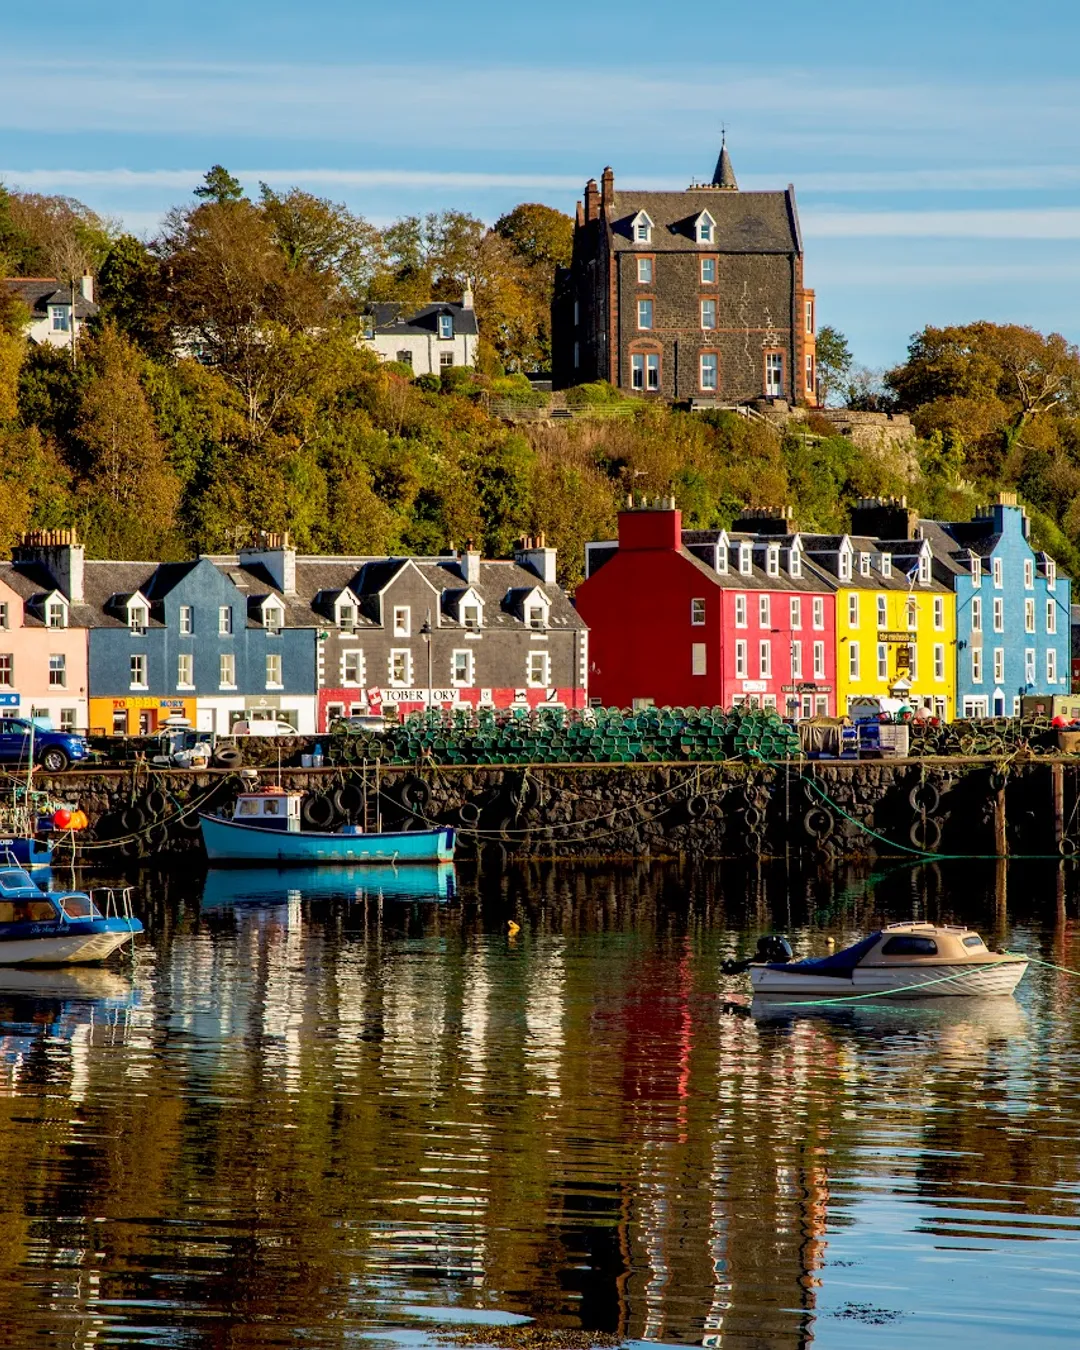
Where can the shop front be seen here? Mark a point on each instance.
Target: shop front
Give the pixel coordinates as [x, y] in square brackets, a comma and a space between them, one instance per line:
[220, 714]
[136, 716]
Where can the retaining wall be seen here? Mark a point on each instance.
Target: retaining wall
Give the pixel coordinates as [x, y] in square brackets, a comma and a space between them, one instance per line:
[832, 810]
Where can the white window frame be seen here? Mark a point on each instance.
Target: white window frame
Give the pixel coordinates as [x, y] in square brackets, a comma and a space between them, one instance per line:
[864, 564]
[138, 671]
[1051, 574]
[402, 621]
[56, 614]
[705, 228]
[772, 560]
[446, 327]
[57, 666]
[818, 614]
[225, 621]
[741, 658]
[764, 611]
[708, 265]
[462, 655]
[819, 660]
[4, 614]
[976, 614]
[1051, 665]
[185, 665]
[843, 565]
[354, 657]
[1029, 615]
[746, 559]
[999, 665]
[795, 611]
[999, 614]
[543, 660]
[646, 310]
[138, 619]
[999, 573]
[795, 563]
[796, 660]
[697, 613]
[939, 660]
[708, 307]
[853, 610]
[274, 662]
[740, 611]
[976, 571]
[273, 619]
[924, 569]
[765, 659]
[1029, 574]
[976, 665]
[886, 565]
[853, 660]
[404, 654]
[882, 661]
[708, 371]
[1051, 616]
[1029, 665]
[912, 612]
[645, 271]
[7, 670]
[226, 670]
[186, 620]
[882, 612]
[637, 370]
[939, 613]
[652, 371]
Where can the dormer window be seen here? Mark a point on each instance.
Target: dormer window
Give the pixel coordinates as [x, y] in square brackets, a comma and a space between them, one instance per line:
[470, 616]
[721, 558]
[56, 614]
[346, 616]
[924, 569]
[705, 228]
[795, 563]
[746, 559]
[446, 326]
[402, 621]
[641, 228]
[844, 566]
[536, 616]
[976, 570]
[772, 560]
[273, 618]
[138, 618]
[60, 318]
[864, 564]
[886, 565]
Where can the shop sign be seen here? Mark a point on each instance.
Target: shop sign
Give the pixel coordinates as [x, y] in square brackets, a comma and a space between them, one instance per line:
[415, 695]
[9, 700]
[887, 635]
[135, 704]
[754, 686]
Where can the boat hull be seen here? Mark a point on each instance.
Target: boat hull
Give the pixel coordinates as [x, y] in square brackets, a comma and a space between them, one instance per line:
[29, 853]
[989, 979]
[94, 944]
[229, 842]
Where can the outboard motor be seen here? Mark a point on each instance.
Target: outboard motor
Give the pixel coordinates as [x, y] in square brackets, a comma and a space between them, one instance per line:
[771, 947]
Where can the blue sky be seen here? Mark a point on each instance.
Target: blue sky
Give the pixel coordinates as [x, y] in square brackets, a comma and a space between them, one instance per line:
[933, 147]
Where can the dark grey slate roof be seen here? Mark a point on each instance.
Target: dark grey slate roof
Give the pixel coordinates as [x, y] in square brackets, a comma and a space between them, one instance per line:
[37, 292]
[391, 318]
[746, 222]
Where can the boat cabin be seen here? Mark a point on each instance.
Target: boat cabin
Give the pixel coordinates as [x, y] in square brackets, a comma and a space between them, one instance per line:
[270, 809]
[23, 902]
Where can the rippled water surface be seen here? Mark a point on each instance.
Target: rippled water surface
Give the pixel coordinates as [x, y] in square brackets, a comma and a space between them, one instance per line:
[319, 1109]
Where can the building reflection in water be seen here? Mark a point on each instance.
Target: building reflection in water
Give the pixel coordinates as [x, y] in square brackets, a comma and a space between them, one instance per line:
[325, 1108]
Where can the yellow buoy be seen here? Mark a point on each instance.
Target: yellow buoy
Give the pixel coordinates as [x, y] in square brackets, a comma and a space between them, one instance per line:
[512, 928]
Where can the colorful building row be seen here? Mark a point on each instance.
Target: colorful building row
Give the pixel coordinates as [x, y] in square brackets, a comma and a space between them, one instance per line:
[119, 647]
[959, 619]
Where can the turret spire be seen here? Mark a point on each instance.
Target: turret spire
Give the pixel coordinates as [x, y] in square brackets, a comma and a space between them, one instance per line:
[724, 174]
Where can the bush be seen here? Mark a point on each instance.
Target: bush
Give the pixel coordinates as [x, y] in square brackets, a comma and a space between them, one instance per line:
[598, 392]
[429, 383]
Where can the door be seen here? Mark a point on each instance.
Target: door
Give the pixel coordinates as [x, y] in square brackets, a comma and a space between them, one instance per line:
[147, 718]
[204, 719]
[119, 722]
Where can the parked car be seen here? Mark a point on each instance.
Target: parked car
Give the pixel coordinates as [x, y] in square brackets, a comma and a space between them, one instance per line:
[53, 750]
[374, 724]
[269, 727]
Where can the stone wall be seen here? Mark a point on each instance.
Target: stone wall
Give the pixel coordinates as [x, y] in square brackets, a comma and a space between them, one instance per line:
[828, 811]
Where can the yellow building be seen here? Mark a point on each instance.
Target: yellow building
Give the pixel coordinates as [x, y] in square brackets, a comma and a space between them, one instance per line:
[895, 623]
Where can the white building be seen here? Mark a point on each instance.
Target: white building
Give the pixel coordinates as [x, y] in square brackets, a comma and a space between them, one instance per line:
[430, 340]
[49, 302]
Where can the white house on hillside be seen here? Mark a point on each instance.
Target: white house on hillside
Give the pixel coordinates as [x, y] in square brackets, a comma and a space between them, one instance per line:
[49, 302]
[430, 340]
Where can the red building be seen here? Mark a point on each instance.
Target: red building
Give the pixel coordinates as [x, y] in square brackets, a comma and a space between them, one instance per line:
[708, 617]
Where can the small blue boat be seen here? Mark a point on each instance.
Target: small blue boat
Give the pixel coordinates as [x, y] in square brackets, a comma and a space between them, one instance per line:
[265, 828]
[58, 928]
[26, 851]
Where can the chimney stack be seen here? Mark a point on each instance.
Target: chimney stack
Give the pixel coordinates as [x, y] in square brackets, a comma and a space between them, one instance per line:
[592, 200]
[276, 553]
[61, 554]
[469, 564]
[607, 187]
[536, 557]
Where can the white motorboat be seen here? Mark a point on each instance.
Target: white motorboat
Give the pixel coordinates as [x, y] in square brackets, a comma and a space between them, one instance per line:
[917, 960]
[56, 928]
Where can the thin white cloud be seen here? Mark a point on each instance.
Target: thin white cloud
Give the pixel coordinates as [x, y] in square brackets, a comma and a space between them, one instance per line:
[1023, 223]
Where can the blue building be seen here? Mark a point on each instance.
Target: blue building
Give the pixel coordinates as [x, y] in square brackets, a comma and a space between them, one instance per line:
[1012, 610]
[213, 642]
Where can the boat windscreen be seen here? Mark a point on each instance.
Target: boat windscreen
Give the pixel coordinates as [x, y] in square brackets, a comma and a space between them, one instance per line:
[15, 879]
[77, 905]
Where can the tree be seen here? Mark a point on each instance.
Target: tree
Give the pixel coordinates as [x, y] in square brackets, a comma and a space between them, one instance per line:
[324, 239]
[218, 185]
[833, 361]
[540, 235]
[131, 294]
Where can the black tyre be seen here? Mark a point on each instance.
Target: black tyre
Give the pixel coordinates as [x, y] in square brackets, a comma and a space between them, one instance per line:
[926, 834]
[753, 842]
[228, 758]
[998, 780]
[348, 798]
[155, 803]
[818, 823]
[318, 812]
[924, 797]
[55, 759]
[469, 813]
[697, 808]
[157, 836]
[188, 823]
[1068, 848]
[132, 820]
[416, 795]
[752, 817]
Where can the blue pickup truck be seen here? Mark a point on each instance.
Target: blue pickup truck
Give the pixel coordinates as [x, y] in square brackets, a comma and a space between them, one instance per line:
[53, 750]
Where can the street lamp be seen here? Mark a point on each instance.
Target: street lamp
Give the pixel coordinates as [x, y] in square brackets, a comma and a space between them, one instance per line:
[425, 633]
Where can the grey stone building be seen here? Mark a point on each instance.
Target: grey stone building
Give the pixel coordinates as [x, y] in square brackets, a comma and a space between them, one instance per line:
[695, 295]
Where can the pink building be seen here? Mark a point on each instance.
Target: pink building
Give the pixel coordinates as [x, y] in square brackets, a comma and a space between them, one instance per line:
[43, 642]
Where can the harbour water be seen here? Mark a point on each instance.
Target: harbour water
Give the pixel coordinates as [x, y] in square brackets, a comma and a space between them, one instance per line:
[318, 1110]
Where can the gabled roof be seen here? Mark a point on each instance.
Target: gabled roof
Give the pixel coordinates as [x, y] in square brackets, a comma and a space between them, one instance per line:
[746, 222]
[392, 318]
[37, 293]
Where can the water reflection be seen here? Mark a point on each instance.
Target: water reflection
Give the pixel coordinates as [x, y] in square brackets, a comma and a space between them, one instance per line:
[321, 1105]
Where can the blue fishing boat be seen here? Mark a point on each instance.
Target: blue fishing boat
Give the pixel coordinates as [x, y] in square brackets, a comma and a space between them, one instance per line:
[58, 928]
[26, 850]
[265, 828]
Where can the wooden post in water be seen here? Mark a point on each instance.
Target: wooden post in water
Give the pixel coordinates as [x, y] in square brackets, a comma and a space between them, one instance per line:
[1057, 780]
[1000, 841]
